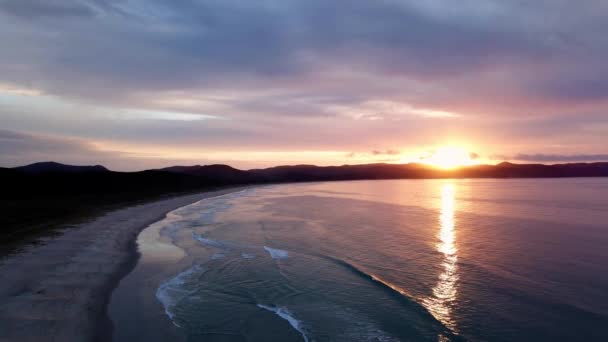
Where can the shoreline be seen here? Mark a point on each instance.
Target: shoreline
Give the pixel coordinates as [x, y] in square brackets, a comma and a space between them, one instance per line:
[60, 291]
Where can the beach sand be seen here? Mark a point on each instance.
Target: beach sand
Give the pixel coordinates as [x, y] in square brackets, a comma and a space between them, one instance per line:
[59, 291]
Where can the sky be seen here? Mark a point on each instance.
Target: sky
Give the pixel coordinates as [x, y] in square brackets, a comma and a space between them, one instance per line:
[147, 83]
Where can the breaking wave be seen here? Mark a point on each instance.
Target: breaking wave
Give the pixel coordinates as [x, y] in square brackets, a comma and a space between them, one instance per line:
[288, 316]
[208, 242]
[399, 292]
[172, 292]
[276, 253]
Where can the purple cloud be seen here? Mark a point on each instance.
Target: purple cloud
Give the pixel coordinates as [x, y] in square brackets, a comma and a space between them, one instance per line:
[388, 152]
[539, 157]
[309, 75]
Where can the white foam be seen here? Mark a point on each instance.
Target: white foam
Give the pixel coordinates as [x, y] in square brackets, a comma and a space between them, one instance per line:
[208, 242]
[217, 256]
[286, 315]
[171, 292]
[276, 253]
[247, 255]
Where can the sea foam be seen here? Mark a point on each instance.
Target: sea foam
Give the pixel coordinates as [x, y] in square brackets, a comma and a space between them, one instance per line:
[276, 253]
[208, 242]
[286, 315]
[172, 291]
[247, 255]
[218, 256]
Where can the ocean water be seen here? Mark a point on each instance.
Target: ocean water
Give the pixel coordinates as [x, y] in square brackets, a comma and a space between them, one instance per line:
[393, 260]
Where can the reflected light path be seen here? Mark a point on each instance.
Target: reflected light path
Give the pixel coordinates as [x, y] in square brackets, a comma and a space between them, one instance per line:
[445, 291]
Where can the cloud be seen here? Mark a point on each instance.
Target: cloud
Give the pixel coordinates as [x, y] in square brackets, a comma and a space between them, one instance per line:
[33, 9]
[18, 148]
[159, 115]
[375, 156]
[319, 75]
[383, 110]
[551, 158]
[388, 152]
[432, 53]
[560, 158]
[17, 90]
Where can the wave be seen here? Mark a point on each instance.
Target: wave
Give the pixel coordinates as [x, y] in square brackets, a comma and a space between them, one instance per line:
[217, 256]
[208, 206]
[390, 285]
[199, 213]
[357, 326]
[286, 315]
[276, 253]
[172, 291]
[399, 292]
[357, 270]
[247, 255]
[208, 242]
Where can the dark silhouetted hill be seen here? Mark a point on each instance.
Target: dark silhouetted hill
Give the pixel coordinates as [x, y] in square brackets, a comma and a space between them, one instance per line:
[55, 180]
[36, 195]
[214, 173]
[300, 173]
[35, 200]
[57, 167]
[56, 184]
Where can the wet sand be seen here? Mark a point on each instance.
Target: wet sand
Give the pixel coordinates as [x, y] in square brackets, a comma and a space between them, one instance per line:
[59, 291]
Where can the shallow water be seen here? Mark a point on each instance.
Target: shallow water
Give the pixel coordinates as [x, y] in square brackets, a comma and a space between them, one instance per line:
[396, 260]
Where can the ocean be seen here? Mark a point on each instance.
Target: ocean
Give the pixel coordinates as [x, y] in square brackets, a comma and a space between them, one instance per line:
[383, 260]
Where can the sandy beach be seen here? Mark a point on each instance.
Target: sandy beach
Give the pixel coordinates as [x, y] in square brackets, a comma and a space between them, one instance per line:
[59, 291]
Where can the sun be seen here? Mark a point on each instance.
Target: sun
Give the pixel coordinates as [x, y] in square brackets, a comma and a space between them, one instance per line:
[449, 157]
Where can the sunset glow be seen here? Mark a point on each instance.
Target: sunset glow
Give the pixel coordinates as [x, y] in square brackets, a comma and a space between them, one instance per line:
[449, 157]
[446, 289]
[304, 170]
[431, 84]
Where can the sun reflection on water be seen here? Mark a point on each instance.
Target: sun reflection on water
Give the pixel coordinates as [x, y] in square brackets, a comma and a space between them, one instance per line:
[445, 291]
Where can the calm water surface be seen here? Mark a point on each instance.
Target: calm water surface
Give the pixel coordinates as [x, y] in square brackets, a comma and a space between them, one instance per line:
[398, 260]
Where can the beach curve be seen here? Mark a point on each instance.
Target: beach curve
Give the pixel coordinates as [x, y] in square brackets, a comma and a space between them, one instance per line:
[60, 290]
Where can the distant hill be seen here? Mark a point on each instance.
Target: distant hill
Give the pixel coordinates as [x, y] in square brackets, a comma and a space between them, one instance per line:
[54, 179]
[303, 173]
[34, 200]
[57, 167]
[215, 173]
[300, 173]
[34, 196]
[418, 171]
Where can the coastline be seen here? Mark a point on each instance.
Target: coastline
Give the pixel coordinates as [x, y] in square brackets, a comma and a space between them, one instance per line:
[60, 290]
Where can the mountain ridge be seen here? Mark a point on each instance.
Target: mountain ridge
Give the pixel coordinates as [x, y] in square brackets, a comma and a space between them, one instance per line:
[51, 166]
[33, 196]
[226, 173]
[70, 178]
